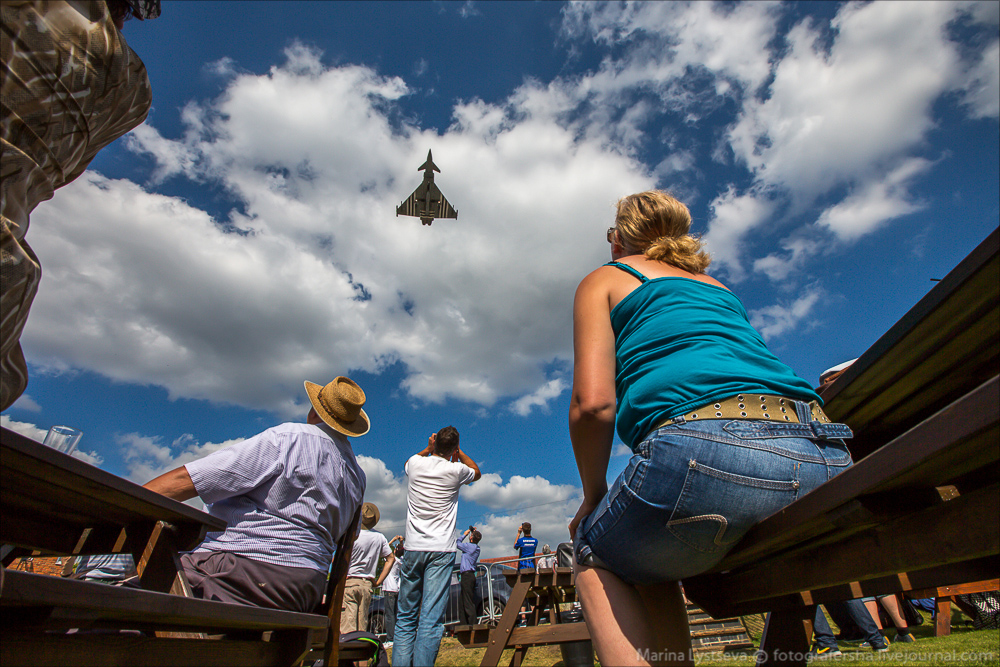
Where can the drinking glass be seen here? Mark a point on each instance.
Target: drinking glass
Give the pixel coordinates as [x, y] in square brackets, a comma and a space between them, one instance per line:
[63, 438]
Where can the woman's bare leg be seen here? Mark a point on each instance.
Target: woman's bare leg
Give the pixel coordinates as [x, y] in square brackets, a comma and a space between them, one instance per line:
[891, 605]
[872, 607]
[632, 625]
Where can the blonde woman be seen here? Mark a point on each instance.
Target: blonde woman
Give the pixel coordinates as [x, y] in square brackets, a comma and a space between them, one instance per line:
[723, 434]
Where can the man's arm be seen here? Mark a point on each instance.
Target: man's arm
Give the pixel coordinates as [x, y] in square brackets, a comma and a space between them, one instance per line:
[517, 540]
[461, 456]
[429, 449]
[389, 560]
[175, 484]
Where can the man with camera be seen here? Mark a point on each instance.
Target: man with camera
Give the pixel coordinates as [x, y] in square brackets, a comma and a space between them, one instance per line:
[467, 574]
[434, 477]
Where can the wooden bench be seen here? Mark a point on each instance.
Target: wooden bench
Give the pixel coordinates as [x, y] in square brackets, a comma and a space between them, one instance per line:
[919, 509]
[549, 588]
[55, 504]
[944, 596]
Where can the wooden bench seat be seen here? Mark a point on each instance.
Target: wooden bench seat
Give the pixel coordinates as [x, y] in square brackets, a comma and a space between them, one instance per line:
[37, 602]
[883, 516]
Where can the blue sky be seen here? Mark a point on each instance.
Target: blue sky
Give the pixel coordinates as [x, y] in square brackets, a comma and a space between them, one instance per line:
[836, 158]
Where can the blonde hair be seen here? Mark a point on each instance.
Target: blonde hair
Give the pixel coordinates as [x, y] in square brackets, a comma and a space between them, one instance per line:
[656, 224]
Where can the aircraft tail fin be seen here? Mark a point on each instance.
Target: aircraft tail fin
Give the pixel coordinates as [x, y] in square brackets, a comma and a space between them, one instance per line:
[429, 164]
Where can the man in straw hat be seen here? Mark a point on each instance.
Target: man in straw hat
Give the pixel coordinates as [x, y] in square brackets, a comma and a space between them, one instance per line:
[287, 494]
[434, 477]
[368, 548]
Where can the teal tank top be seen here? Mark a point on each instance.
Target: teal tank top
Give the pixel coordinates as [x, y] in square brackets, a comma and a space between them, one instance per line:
[681, 343]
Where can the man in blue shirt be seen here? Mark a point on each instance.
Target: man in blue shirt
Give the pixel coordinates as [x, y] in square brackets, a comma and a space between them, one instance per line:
[527, 545]
[467, 573]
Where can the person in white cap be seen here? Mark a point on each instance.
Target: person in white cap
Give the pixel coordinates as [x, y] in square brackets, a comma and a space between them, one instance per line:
[287, 494]
[368, 548]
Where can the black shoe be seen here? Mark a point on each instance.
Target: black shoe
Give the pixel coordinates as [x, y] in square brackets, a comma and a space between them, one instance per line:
[820, 653]
[879, 646]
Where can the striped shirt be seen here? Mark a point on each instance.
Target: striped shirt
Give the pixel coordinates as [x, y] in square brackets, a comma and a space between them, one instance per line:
[287, 494]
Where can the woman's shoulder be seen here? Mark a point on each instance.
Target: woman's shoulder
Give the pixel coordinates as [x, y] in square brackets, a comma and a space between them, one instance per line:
[653, 269]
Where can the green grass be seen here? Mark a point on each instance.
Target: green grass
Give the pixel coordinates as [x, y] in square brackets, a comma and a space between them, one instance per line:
[964, 646]
[967, 647]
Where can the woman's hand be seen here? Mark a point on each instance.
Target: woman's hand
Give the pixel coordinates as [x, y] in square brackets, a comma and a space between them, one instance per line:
[586, 508]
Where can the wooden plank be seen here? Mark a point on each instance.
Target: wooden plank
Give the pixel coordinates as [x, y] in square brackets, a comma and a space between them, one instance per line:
[560, 576]
[123, 607]
[50, 535]
[500, 635]
[36, 476]
[965, 430]
[336, 584]
[906, 369]
[17, 648]
[957, 589]
[942, 619]
[541, 635]
[786, 637]
[473, 636]
[897, 546]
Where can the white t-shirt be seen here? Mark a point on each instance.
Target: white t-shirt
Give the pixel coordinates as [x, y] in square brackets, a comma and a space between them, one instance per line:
[391, 582]
[432, 501]
[367, 549]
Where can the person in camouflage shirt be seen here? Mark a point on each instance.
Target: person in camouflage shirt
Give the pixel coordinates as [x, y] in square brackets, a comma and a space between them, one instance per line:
[70, 85]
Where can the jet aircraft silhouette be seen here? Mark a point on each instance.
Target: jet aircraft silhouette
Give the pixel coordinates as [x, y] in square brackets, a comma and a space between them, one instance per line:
[427, 202]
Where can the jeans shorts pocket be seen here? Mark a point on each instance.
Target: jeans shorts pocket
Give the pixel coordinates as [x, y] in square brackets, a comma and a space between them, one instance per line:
[716, 508]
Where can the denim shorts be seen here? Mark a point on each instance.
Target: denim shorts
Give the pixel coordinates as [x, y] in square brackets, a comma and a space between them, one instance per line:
[693, 489]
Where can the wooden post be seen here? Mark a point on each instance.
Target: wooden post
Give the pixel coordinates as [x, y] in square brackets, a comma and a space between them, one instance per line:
[786, 637]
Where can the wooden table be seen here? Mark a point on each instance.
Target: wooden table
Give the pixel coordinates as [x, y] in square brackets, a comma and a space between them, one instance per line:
[919, 509]
[55, 504]
[547, 588]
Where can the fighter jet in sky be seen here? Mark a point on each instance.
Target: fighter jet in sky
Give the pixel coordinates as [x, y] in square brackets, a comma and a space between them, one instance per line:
[427, 202]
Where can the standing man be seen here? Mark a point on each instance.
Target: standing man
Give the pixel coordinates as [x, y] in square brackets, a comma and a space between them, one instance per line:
[390, 590]
[287, 494]
[526, 546]
[368, 548]
[435, 476]
[470, 556]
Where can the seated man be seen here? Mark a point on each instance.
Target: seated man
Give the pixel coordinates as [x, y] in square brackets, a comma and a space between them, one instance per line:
[369, 547]
[288, 494]
[114, 569]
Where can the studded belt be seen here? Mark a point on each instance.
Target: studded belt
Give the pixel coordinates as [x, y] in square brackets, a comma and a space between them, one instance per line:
[754, 406]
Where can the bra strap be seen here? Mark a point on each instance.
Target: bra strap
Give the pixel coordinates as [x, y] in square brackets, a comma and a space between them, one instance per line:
[628, 269]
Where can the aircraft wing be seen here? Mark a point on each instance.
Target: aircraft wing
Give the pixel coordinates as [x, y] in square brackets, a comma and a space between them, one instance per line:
[427, 201]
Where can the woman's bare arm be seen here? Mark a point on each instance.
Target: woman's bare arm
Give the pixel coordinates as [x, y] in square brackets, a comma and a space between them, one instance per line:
[592, 404]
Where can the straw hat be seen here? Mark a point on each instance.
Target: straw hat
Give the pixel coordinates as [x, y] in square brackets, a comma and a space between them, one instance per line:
[339, 405]
[369, 516]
